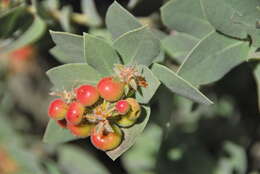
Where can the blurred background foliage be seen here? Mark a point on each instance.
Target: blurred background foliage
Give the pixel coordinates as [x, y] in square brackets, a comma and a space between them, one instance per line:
[182, 137]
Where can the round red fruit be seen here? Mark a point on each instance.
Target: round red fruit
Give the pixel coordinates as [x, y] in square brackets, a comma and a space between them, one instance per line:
[122, 107]
[87, 95]
[82, 130]
[106, 140]
[57, 109]
[110, 89]
[75, 113]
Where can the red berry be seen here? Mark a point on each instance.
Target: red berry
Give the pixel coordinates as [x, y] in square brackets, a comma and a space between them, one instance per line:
[110, 89]
[62, 123]
[132, 115]
[87, 95]
[57, 109]
[106, 140]
[75, 113]
[122, 107]
[23, 53]
[83, 130]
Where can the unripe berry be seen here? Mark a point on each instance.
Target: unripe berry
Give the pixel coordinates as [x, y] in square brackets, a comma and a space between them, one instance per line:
[57, 109]
[87, 95]
[62, 123]
[75, 113]
[122, 107]
[130, 118]
[125, 122]
[82, 130]
[110, 89]
[106, 140]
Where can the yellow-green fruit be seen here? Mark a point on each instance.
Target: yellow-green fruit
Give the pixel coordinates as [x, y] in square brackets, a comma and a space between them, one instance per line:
[130, 118]
[82, 131]
[124, 121]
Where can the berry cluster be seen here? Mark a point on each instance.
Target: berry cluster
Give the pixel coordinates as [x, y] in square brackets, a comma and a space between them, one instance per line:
[99, 111]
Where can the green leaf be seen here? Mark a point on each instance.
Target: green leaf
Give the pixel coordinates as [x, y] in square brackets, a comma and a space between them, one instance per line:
[142, 156]
[145, 94]
[186, 16]
[254, 54]
[9, 20]
[70, 45]
[178, 85]
[212, 58]
[100, 55]
[75, 160]
[65, 17]
[138, 46]
[159, 35]
[54, 134]
[62, 56]
[68, 76]
[131, 134]
[101, 33]
[89, 9]
[33, 33]
[179, 45]
[257, 78]
[236, 18]
[120, 21]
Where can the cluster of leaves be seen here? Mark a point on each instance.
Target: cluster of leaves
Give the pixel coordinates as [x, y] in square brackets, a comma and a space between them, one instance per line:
[203, 41]
[89, 57]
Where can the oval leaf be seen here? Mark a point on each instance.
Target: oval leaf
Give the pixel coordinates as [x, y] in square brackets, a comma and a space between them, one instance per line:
[68, 76]
[120, 21]
[236, 18]
[139, 46]
[212, 58]
[70, 45]
[186, 16]
[100, 54]
[178, 85]
[179, 45]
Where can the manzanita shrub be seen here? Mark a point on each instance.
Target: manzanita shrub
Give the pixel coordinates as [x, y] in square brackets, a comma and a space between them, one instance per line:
[125, 70]
[130, 63]
[104, 88]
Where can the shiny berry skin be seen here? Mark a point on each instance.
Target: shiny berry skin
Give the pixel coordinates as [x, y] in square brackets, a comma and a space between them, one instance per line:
[75, 113]
[110, 89]
[87, 95]
[57, 109]
[125, 122]
[62, 123]
[131, 117]
[82, 131]
[106, 141]
[122, 107]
